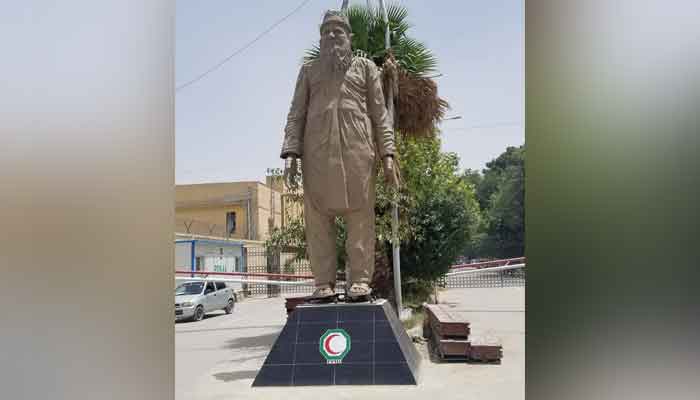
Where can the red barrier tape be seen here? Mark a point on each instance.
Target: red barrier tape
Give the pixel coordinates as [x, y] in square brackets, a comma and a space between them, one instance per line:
[260, 274]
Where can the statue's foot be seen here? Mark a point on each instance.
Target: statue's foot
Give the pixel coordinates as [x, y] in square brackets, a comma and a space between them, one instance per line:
[359, 291]
[323, 292]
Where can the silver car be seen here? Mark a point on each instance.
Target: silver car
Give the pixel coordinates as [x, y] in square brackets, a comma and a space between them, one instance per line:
[196, 298]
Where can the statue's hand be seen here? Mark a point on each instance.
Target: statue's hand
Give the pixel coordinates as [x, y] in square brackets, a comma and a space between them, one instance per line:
[291, 173]
[390, 175]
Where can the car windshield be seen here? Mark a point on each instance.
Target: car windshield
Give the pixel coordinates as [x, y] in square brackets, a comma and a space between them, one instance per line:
[189, 288]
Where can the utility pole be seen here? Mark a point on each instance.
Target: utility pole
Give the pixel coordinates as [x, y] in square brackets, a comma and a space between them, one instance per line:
[395, 206]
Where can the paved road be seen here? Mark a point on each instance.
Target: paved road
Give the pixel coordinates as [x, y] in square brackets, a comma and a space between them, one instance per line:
[218, 358]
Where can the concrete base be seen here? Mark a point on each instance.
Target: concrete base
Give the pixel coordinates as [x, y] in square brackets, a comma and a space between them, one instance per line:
[375, 350]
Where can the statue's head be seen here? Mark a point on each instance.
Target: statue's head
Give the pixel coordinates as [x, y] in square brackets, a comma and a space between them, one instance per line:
[336, 37]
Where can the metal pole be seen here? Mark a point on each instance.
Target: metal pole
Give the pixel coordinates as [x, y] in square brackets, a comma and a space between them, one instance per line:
[395, 206]
[396, 256]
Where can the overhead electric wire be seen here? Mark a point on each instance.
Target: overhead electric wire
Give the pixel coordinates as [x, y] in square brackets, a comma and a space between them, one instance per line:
[488, 126]
[240, 50]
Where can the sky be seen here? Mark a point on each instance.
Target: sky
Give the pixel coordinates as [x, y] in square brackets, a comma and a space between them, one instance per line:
[230, 124]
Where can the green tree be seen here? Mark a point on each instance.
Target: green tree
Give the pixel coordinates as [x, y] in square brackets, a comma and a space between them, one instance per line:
[442, 214]
[472, 177]
[501, 195]
[492, 174]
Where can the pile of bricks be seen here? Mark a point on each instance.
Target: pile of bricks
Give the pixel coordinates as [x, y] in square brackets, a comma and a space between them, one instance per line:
[449, 337]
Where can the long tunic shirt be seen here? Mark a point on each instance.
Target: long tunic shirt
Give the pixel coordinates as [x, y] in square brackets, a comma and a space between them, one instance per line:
[338, 126]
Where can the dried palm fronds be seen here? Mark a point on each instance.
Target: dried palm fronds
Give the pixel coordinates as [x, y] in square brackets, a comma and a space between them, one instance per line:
[418, 107]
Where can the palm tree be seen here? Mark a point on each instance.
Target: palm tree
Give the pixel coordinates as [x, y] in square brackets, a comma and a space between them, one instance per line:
[418, 106]
[368, 29]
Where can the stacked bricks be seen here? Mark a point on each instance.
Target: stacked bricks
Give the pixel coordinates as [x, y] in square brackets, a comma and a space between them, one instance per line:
[450, 337]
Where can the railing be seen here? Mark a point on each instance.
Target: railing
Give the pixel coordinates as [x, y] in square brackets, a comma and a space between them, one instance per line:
[503, 274]
[265, 276]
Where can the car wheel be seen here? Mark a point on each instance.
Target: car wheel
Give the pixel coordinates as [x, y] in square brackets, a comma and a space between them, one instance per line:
[198, 314]
[229, 306]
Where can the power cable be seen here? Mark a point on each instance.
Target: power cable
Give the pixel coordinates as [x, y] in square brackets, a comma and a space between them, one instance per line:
[240, 50]
[488, 126]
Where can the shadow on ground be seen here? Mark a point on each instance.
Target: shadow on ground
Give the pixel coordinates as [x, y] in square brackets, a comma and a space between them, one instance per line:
[257, 342]
[261, 355]
[236, 375]
[206, 316]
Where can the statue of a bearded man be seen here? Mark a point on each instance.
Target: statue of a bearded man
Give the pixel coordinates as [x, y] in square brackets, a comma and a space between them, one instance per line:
[338, 125]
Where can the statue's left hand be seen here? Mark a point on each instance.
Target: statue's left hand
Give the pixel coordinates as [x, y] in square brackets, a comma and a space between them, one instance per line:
[291, 173]
[390, 172]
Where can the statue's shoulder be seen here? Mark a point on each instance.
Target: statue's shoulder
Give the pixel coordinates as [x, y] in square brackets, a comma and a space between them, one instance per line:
[365, 64]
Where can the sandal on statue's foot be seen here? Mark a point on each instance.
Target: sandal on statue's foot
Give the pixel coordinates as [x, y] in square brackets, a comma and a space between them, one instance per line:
[323, 292]
[359, 290]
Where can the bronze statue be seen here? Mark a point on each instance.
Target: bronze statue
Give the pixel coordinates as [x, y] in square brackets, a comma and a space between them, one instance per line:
[338, 125]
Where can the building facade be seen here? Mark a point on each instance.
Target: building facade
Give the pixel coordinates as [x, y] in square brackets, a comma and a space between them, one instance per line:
[222, 227]
[232, 210]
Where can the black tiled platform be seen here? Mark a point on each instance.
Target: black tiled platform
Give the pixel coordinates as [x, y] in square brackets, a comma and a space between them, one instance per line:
[381, 353]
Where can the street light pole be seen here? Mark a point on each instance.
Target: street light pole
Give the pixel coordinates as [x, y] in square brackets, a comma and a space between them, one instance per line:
[395, 206]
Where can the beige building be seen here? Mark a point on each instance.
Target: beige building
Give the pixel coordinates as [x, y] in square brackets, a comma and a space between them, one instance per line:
[236, 210]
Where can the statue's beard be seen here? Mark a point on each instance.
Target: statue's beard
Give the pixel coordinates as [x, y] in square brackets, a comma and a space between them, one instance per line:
[334, 59]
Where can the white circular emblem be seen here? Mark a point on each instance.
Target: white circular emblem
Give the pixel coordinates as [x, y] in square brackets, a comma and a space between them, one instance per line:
[336, 344]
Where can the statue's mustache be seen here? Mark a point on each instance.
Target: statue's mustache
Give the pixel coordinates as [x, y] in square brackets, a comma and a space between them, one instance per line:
[335, 55]
[329, 44]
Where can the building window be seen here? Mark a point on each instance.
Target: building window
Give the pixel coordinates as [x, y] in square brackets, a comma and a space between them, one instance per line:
[230, 222]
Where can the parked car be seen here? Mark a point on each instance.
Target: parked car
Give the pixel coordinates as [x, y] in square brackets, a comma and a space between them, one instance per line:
[196, 298]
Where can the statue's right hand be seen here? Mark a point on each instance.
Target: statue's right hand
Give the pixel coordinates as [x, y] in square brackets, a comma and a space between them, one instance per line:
[291, 172]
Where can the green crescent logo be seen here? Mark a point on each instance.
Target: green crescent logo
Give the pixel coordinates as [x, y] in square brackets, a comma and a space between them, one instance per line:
[334, 345]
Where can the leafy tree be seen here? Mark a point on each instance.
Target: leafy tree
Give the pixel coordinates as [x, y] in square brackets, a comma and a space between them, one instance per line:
[487, 183]
[505, 235]
[472, 177]
[443, 213]
[501, 195]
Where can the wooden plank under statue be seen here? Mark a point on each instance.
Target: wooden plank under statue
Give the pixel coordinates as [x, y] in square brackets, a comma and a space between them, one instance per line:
[341, 344]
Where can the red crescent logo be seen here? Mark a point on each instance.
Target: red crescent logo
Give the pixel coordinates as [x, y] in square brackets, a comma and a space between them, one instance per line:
[327, 342]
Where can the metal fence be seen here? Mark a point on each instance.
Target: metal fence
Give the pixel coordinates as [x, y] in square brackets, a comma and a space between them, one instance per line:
[263, 260]
[485, 279]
